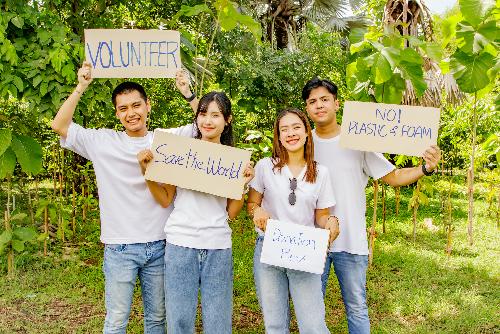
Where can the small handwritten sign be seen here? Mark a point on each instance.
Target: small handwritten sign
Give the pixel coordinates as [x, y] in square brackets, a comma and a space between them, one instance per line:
[198, 165]
[132, 53]
[389, 128]
[295, 246]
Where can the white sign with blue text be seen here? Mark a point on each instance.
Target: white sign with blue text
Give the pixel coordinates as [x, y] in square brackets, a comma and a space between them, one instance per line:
[389, 128]
[295, 246]
[197, 165]
[133, 53]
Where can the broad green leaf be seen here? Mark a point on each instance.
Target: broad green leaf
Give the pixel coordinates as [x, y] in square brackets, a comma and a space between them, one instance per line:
[19, 83]
[390, 91]
[357, 35]
[17, 21]
[195, 10]
[37, 80]
[381, 70]
[29, 154]
[42, 236]
[7, 163]
[475, 10]
[18, 216]
[474, 41]
[471, 71]
[448, 27]
[18, 245]
[433, 51]
[253, 26]
[5, 237]
[409, 55]
[392, 55]
[24, 233]
[5, 139]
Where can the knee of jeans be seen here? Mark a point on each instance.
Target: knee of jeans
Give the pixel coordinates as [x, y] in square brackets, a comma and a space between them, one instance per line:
[115, 320]
[356, 306]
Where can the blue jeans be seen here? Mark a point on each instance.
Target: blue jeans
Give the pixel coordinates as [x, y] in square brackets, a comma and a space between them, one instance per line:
[351, 274]
[275, 284]
[122, 264]
[190, 269]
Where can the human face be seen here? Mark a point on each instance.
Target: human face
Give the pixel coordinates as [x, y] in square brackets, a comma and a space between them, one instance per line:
[292, 133]
[132, 111]
[211, 123]
[321, 106]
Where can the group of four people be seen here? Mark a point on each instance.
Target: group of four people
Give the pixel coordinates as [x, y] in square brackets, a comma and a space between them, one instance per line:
[178, 241]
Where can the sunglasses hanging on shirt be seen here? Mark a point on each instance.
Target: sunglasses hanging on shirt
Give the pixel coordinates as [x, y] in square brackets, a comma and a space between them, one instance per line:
[292, 198]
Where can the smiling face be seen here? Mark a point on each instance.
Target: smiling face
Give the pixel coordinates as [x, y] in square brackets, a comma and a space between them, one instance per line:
[321, 106]
[132, 111]
[211, 123]
[292, 133]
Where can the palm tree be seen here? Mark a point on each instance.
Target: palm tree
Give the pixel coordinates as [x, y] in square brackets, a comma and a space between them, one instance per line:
[282, 19]
[413, 18]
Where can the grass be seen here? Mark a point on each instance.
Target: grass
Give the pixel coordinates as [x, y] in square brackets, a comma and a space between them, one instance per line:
[412, 287]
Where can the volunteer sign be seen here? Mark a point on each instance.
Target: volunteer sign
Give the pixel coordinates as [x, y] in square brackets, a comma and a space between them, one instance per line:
[132, 53]
[295, 246]
[389, 128]
[198, 165]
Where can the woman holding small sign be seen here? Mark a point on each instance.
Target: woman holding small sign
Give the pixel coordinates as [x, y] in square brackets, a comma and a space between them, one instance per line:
[198, 252]
[293, 171]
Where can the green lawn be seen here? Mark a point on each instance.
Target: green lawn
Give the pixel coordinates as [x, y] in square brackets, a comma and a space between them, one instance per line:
[412, 287]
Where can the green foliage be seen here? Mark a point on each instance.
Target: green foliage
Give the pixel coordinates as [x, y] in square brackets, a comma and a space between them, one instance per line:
[260, 143]
[475, 62]
[27, 151]
[381, 62]
[16, 238]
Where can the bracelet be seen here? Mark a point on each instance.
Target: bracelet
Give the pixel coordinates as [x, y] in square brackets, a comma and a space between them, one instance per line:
[426, 173]
[191, 98]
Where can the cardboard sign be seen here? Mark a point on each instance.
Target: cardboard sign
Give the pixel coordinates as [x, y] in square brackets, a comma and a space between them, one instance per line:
[197, 165]
[132, 53]
[295, 246]
[389, 128]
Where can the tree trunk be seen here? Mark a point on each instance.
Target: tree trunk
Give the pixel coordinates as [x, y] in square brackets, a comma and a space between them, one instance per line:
[470, 175]
[45, 229]
[415, 209]
[449, 221]
[73, 211]
[398, 199]
[10, 253]
[383, 208]
[374, 222]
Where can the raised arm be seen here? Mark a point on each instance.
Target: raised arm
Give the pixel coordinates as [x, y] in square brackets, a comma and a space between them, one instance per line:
[234, 206]
[182, 83]
[405, 176]
[64, 116]
[162, 193]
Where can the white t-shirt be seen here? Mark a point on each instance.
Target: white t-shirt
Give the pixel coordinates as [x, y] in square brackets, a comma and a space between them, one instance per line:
[349, 172]
[275, 188]
[129, 213]
[198, 220]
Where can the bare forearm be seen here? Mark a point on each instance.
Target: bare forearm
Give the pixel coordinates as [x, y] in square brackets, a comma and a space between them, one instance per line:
[64, 116]
[162, 195]
[403, 176]
[234, 207]
[194, 104]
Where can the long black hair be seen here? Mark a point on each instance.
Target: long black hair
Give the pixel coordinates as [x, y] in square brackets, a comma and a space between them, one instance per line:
[224, 105]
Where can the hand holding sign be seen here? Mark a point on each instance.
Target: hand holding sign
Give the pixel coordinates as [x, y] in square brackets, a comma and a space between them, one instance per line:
[182, 83]
[431, 157]
[333, 225]
[144, 157]
[85, 75]
[260, 217]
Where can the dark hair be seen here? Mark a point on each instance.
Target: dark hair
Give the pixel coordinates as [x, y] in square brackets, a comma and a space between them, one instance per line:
[224, 105]
[127, 87]
[280, 154]
[317, 82]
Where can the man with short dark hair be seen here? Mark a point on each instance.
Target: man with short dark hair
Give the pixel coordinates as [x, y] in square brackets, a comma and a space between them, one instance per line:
[131, 221]
[349, 173]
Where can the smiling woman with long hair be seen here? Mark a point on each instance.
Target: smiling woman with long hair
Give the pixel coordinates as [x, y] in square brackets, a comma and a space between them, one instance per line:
[292, 188]
[198, 254]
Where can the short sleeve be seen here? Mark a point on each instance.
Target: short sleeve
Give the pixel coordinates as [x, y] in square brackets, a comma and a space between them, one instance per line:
[184, 131]
[80, 140]
[326, 197]
[257, 182]
[376, 165]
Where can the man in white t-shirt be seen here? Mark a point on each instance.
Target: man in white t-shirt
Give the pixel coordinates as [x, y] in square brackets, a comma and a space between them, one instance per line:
[349, 173]
[131, 220]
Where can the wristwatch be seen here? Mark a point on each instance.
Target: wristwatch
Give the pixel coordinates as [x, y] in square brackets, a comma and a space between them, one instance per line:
[426, 172]
[190, 98]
